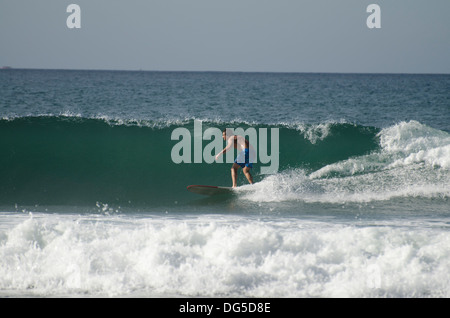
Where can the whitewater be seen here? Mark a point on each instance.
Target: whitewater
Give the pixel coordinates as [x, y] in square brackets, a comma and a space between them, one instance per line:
[91, 204]
[222, 256]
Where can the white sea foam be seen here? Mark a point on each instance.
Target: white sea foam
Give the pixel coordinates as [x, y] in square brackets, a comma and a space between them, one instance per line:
[296, 185]
[315, 133]
[413, 142]
[220, 256]
[413, 161]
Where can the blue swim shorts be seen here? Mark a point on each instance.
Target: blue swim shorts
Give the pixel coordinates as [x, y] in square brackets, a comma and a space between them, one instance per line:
[243, 159]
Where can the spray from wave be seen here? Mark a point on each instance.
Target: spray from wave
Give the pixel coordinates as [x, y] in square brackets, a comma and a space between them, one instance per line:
[413, 161]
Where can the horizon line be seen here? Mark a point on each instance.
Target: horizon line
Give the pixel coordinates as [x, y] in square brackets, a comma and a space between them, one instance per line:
[7, 68]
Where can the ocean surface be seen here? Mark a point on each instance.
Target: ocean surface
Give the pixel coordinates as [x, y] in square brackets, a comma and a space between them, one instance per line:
[92, 203]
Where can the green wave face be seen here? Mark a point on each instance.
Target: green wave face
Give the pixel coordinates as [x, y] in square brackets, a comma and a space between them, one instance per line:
[57, 160]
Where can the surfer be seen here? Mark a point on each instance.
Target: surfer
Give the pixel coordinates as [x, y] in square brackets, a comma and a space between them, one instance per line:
[243, 158]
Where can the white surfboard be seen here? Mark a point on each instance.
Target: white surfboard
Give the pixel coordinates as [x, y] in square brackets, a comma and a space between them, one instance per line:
[209, 190]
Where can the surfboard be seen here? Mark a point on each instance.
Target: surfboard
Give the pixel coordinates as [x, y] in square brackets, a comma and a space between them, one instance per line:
[209, 190]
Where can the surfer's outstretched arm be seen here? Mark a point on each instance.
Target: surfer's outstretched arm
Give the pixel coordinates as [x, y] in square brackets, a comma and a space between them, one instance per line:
[229, 145]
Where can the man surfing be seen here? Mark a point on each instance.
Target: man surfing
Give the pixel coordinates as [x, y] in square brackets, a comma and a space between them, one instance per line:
[243, 159]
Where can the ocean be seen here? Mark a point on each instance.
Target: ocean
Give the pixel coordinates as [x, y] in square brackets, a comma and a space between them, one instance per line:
[92, 203]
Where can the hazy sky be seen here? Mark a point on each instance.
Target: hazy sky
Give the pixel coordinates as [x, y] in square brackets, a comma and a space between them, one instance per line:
[228, 35]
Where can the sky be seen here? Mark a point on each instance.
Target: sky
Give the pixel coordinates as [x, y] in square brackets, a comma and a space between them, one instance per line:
[228, 35]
